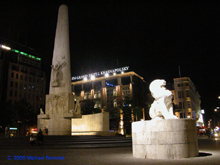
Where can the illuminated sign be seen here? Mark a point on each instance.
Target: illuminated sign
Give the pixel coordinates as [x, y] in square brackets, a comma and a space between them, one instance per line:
[96, 74]
[17, 51]
[110, 84]
[12, 128]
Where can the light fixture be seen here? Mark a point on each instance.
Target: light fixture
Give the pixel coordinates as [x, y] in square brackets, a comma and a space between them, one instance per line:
[114, 73]
[92, 77]
[6, 47]
[122, 72]
[85, 79]
[106, 75]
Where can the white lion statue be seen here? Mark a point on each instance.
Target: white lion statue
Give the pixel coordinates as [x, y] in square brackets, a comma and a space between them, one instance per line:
[162, 107]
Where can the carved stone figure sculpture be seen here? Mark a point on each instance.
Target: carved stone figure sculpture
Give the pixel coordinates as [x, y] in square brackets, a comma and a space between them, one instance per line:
[77, 107]
[55, 70]
[162, 107]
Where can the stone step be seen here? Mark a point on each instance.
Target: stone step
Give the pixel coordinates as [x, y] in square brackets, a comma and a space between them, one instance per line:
[68, 142]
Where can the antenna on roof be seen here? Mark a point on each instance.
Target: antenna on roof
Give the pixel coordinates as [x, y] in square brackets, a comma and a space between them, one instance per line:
[179, 72]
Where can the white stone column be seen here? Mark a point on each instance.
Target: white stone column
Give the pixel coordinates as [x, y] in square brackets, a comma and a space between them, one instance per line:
[60, 71]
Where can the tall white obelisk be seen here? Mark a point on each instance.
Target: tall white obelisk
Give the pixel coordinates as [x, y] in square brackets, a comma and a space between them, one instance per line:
[60, 79]
[60, 106]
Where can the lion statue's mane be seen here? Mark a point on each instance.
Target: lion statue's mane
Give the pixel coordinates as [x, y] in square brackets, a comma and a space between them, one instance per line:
[162, 107]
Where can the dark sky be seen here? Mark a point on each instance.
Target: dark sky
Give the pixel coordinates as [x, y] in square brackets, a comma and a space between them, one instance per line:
[153, 38]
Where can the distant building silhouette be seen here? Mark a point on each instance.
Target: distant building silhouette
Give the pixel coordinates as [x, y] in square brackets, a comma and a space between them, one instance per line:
[186, 98]
[21, 76]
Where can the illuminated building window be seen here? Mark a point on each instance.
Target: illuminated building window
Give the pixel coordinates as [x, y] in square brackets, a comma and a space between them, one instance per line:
[95, 95]
[188, 104]
[126, 91]
[115, 103]
[97, 104]
[85, 96]
[114, 92]
[99, 94]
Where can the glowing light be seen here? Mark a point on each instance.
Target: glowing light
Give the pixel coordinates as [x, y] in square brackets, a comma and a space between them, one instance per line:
[85, 79]
[12, 128]
[106, 75]
[102, 73]
[216, 134]
[122, 72]
[6, 47]
[92, 77]
[16, 51]
[23, 53]
[202, 111]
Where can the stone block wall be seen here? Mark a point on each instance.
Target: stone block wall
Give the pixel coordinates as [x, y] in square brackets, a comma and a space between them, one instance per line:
[164, 139]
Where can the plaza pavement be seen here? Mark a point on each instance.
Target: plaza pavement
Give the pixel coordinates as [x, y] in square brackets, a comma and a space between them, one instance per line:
[209, 150]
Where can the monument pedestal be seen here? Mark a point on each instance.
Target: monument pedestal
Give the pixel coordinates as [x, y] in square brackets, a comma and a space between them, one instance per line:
[165, 139]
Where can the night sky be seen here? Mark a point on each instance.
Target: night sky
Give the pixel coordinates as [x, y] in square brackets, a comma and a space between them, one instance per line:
[153, 38]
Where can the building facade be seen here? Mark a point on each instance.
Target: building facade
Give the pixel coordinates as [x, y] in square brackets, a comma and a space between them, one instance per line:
[110, 91]
[21, 76]
[186, 98]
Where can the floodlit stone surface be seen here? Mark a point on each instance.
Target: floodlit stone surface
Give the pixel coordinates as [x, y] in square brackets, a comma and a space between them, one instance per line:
[93, 124]
[60, 107]
[162, 106]
[164, 139]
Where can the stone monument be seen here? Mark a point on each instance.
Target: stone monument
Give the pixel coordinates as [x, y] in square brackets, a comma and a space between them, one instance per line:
[165, 136]
[162, 106]
[61, 105]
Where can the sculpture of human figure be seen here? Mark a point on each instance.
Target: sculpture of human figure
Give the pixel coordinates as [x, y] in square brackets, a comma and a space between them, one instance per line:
[41, 111]
[77, 107]
[56, 69]
[162, 106]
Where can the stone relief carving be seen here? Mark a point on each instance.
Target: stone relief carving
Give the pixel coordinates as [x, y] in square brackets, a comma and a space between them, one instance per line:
[58, 104]
[162, 107]
[55, 70]
[62, 102]
[53, 101]
[77, 107]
